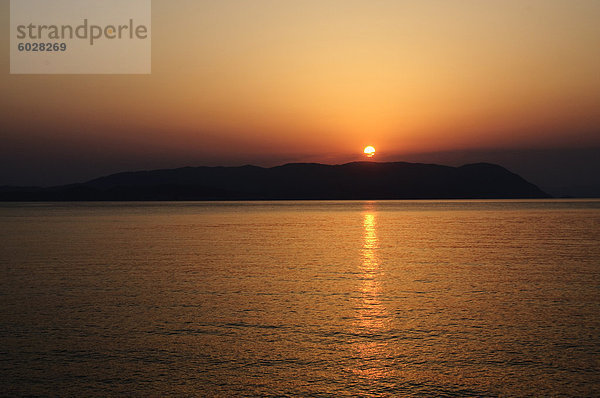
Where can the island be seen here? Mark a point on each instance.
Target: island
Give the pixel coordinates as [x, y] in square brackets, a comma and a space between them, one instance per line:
[295, 181]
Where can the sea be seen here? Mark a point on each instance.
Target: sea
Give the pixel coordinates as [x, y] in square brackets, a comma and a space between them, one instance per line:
[301, 299]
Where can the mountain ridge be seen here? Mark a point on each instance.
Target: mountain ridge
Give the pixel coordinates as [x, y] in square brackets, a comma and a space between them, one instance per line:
[294, 181]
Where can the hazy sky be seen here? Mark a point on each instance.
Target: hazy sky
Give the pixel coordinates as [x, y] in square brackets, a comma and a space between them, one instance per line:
[265, 82]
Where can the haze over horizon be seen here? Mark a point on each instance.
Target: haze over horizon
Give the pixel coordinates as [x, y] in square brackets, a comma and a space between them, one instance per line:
[267, 82]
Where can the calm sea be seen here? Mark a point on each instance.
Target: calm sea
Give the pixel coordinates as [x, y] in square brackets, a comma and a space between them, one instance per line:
[325, 299]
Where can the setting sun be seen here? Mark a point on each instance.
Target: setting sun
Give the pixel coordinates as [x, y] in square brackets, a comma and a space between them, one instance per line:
[369, 151]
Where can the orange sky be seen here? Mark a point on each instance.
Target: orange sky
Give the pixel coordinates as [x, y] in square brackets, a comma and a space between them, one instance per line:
[318, 80]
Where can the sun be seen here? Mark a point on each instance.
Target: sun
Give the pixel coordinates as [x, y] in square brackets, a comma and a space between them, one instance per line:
[369, 151]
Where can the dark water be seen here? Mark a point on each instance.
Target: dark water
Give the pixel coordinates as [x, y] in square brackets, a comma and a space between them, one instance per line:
[426, 299]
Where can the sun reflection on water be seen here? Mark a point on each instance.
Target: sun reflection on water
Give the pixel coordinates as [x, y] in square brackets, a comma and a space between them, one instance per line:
[372, 318]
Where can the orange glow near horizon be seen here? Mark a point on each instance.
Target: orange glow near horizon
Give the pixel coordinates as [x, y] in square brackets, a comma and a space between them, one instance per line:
[305, 81]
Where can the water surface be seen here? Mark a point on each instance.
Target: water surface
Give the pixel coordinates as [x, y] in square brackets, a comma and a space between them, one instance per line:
[407, 298]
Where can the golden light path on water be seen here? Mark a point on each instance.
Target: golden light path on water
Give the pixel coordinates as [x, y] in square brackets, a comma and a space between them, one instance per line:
[372, 318]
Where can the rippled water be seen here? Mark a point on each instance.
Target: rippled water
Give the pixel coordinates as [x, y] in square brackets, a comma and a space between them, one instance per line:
[449, 298]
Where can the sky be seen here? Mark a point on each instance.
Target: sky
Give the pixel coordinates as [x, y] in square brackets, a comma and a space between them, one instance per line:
[270, 82]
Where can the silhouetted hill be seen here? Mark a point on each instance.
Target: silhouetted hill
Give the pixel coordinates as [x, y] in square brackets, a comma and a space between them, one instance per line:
[358, 180]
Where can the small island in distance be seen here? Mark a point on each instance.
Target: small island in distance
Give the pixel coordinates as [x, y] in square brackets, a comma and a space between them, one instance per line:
[295, 181]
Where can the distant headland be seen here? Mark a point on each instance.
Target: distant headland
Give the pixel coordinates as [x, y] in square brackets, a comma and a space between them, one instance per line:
[296, 181]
